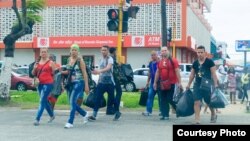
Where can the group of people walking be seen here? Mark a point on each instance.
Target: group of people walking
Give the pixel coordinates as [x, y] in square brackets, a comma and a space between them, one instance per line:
[164, 70]
[45, 70]
[163, 78]
[232, 81]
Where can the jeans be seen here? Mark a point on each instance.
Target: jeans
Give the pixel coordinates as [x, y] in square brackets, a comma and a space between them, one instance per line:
[118, 95]
[44, 90]
[166, 99]
[150, 100]
[245, 87]
[100, 90]
[78, 88]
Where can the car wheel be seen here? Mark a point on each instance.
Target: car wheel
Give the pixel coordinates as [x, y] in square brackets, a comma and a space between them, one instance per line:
[130, 87]
[21, 86]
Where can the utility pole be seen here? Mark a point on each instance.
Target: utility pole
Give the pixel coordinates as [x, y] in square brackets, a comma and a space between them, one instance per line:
[173, 39]
[120, 58]
[163, 23]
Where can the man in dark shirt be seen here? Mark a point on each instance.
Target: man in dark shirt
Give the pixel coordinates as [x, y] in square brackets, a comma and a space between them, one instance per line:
[202, 68]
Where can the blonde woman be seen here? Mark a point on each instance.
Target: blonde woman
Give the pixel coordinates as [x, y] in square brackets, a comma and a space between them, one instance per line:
[43, 70]
[76, 70]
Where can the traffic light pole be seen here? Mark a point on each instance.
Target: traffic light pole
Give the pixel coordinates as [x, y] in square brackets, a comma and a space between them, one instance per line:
[163, 24]
[173, 40]
[120, 58]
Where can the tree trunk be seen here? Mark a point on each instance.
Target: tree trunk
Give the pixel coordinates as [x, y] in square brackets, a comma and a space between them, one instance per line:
[5, 80]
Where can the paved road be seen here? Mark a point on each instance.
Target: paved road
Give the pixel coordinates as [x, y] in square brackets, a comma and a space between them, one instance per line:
[16, 125]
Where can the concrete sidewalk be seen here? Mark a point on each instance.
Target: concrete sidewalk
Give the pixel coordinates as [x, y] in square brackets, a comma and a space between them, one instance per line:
[17, 124]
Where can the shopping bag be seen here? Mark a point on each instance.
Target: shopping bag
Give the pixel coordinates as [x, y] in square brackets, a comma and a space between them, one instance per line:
[185, 106]
[143, 97]
[218, 99]
[91, 100]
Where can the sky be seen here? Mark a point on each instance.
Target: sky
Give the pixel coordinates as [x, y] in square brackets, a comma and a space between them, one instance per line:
[230, 21]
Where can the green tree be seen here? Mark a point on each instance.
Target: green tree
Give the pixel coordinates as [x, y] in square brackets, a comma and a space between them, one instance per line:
[27, 16]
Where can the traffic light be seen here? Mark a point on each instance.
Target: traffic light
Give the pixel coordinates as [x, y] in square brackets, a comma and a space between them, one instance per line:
[113, 23]
[169, 34]
[113, 15]
[132, 11]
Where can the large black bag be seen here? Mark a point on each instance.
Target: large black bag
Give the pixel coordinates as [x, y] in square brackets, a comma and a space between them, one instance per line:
[218, 99]
[91, 99]
[185, 106]
[144, 97]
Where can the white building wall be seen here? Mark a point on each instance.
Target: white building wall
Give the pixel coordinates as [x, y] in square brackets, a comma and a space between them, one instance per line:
[23, 56]
[137, 57]
[197, 30]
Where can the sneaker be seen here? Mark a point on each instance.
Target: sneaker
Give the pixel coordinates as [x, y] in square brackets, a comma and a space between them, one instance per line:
[146, 114]
[117, 116]
[51, 119]
[68, 125]
[86, 118]
[91, 118]
[36, 123]
[213, 119]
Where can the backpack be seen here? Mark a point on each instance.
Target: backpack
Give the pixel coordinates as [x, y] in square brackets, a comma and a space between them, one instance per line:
[118, 73]
[31, 66]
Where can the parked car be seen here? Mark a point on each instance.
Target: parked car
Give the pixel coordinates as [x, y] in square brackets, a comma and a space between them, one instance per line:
[21, 70]
[140, 78]
[21, 82]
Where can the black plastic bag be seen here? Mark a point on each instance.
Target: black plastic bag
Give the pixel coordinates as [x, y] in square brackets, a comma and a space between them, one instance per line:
[91, 99]
[185, 106]
[178, 92]
[240, 94]
[143, 97]
[218, 99]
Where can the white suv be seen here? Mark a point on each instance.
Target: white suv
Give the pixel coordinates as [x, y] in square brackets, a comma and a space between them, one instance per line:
[185, 70]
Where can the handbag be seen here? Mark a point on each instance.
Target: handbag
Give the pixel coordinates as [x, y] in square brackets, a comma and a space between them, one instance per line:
[165, 85]
[143, 97]
[205, 84]
[90, 101]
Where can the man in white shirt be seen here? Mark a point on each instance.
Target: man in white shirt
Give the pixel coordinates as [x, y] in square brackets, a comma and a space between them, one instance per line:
[223, 73]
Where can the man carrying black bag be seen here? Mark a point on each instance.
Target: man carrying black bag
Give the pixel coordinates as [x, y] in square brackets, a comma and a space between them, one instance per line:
[203, 70]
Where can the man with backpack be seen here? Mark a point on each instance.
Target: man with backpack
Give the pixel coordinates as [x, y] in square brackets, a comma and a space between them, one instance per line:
[118, 88]
[105, 83]
[168, 73]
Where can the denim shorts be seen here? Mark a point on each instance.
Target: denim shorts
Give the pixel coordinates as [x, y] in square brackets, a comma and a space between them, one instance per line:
[200, 94]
